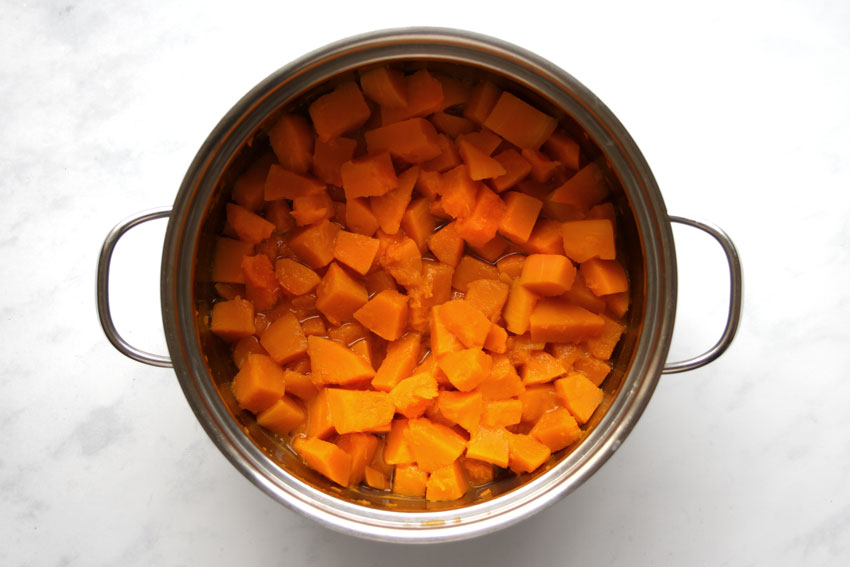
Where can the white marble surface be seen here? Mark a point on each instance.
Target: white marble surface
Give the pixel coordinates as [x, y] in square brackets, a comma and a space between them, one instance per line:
[741, 108]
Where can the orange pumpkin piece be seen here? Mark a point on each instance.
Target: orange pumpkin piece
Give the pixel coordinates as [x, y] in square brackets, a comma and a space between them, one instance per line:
[339, 295]
[315, 243]
[519, 307]
[328, 157]
[595, 370]
[402, 357]
[342, 110]
[478, 473]
[537, 400]
[542, 168]
[410, 480]
[618, 303]
[402, 260]
[455, 91]
[604, 277]
[418, 223]
[503, 381]
[284, 339]
[466, 368]
[359, 410]
[501, 413]
[516, 169]
[556, 320]
[233, 320]
[300, 385]
[368, 176]
[446, 483]
[356, 251]
[564, 149]
[458, 192]
[396, 449]
[362, 448]
[389, 208]
[385, 86]
[480, 226]
[461, 408]
[496, 340]
[245, 346]
[521, 212]
[325, 458]
[291, 138]
[520, 123]
[446, 245]
[520, 348]
[413, 394]
[586, 239]
[258, 384]
[249, 187]
[545, 238]
[527, 453]
[375, 478]
[489, 445]
[261, 285]
[541, 367]
[312, 208]
[556, 429]
[488, 296]
[227, 260]
[282, 183]
[448, 158]
[579, 395]
[247, 225]
[481, 101]
[314, 326]
[424, 96]
[511, 266]
[470, 269]
[319, 423]
[452, 125]
[479, 164]
[442, 340]
[465, 321]
[414, 140]
[433, 445]
[385, 314]
[492, 250]
[581, 295]
[377, 281]
[283, 416]
[334, 363]
[359, 216]
[602, 347]
[279, 214]
[583, 190]
[295, 278]
[547, 274]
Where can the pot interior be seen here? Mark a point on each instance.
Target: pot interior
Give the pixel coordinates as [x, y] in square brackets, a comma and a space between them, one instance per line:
[220, 368]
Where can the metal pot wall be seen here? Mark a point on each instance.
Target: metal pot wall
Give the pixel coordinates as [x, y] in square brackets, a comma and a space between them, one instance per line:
[202, 362]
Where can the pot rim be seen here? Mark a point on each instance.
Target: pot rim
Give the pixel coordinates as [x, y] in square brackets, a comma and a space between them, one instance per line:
[180, 247]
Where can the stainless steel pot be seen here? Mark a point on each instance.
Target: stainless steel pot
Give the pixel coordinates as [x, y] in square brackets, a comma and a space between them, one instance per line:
[203, 365]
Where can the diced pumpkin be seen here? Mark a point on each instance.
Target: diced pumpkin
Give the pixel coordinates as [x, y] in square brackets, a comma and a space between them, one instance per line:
[519, 307]
[368, 176]
[359, 216]
[541, 367]
[258, 384]
[433, 445]
[359, 410]
[488, 296]
[618, 303]
[402, 356]
[249, 187]
[442, 340]
[480, 226]
[465, 321]
[227, 259]
[466, 368]
[340, 111]
[564, 149]
[586, 239]
[280, 215]
[334, 363]
[446, 483]
[385, 314]
[418, 223]
[248, 226]
[556, 320]
[389, 208]
[311, 209]
[315, 243]
[233, 320]
[375, 478]
[604, 277]
[478, 473]
[448, 158]
[470, 269]
[583, 190]
[452, 125]
[511, 266]
[385, 86]
[602, 347]
[516, 169]
[481, 101]
[542, 168]
[328, 157]
[282, 183]
[414, 140]
[547, 274]
[447, 245]
[537, 400]
[362, 448]
[490, 445]
[291, 138]
[413, 394]
[556, 429]
[261, 285]
[325, 457]
[295, 278]
[579, 395]
[410, 480]
[424, 96]
[503, 381]
[300, 385]
[521, 212]
[396, 449]
[546, 238]
[501, 413]
[355, 250]
[520, 123]
[458, 192]
[244, 347]
[595, 370]
[527, 453]
[461, 408]
[479, 164]
[283, 416]
[284, 339]
[339, 295]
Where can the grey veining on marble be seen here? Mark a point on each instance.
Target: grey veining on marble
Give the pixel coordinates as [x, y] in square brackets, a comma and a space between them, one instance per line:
[741, 108]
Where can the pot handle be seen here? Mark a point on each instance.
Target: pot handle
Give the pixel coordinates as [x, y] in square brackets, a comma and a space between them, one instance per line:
[735, 299]
[103, 289]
